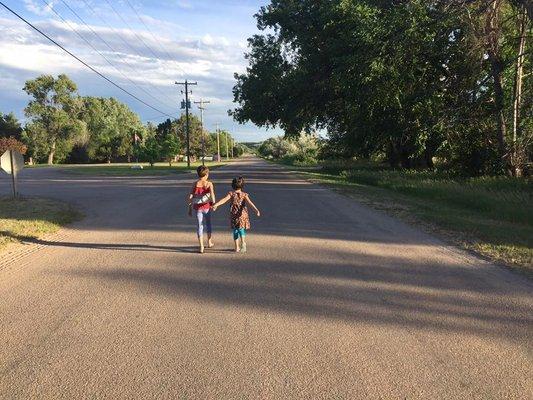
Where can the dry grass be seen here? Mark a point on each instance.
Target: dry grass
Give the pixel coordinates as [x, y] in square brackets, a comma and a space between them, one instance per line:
[32, 218]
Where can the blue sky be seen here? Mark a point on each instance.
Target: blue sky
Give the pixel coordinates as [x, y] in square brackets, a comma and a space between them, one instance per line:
[148, 45]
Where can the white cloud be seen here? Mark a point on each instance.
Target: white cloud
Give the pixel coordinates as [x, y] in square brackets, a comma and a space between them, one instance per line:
[40, 8]
[210, 59]
[186, 4]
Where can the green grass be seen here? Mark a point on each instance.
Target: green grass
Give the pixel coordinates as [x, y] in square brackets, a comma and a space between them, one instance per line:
[32, 218]
[126, 170]
[490, 215]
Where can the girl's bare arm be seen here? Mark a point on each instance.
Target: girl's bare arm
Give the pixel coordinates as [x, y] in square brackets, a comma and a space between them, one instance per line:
[250, 202]
[212, 191]
[220, 202]
[191, 193]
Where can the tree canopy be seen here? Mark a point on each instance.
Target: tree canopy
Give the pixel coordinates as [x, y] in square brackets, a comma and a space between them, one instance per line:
[407, 81]
[10, 126]
[54, 113]
[64, 126]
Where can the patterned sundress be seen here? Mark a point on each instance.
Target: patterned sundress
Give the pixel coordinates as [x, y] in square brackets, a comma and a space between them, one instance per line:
[239, 211]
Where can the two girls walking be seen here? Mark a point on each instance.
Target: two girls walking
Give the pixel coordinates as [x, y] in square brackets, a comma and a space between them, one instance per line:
[202, 201]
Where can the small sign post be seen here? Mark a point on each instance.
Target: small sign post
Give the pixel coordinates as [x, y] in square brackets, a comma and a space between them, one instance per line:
[12, 162]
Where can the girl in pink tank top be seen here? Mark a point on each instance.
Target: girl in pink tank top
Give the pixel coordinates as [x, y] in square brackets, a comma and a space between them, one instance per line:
[201, 198]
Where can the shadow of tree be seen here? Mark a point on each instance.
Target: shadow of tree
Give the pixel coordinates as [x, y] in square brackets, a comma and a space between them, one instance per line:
[366, 292]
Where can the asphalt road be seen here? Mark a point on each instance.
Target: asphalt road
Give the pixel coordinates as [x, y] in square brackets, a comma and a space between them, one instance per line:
[332, 301]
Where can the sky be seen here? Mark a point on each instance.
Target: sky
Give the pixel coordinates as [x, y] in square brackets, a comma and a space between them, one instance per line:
[143, 46]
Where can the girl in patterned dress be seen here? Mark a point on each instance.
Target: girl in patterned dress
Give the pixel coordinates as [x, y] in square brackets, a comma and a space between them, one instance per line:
[240, 220]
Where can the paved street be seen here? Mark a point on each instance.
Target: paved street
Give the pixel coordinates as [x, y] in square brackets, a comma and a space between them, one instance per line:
[332, 301]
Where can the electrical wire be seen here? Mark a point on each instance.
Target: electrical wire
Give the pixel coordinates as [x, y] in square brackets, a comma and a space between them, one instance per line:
[102, 55]
[125, 42]
[80, 60]
[152, 34]
[112, 50]
[132, 30]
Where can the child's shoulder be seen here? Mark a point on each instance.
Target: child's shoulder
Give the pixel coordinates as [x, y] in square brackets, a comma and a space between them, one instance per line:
[205, 184]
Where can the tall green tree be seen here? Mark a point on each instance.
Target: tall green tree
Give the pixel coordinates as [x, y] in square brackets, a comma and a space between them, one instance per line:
[195, 134]
[150, 151]
[409, 81]
[54, 112]
[10, 126]
[170, 147]
[112, 128]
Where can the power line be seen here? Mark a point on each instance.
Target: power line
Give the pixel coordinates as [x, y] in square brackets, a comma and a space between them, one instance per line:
[151, 33]
[125, 60]
[160, 116]
[125, 42]
[80, 60]
[102, 55]
[115, 51]
[132, 30]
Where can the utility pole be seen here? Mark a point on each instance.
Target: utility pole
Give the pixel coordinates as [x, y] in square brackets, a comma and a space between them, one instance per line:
[186, 105]
[202, 108]
[218, 144]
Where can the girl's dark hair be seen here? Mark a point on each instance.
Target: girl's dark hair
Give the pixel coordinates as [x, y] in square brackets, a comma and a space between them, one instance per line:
[237, 183]
[202, 171]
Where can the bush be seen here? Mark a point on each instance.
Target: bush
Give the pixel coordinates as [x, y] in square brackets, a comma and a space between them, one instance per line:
[301, 151]
[12, 144]
[500, 198]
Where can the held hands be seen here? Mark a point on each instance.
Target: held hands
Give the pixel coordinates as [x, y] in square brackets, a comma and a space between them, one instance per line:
[214, 207]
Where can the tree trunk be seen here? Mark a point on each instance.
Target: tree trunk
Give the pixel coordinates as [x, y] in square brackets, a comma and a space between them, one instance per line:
[405, 160]
[517, 91]
[392, 155]
[51, 154]
[528, 8]
[496, 63]
[428, 159]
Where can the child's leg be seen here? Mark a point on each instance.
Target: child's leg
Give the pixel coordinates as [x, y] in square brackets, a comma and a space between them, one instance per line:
[243, 240]
[208, 228]
[236, 239]
[200, 229]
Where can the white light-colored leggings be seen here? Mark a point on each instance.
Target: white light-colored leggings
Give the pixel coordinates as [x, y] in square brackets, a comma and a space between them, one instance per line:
[203, 216]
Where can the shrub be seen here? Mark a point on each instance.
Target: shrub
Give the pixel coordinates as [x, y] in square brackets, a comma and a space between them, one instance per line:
[303, 150]
[11, 143]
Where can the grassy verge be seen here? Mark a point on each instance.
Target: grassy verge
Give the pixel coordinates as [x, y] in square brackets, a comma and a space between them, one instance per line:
[126, 170]
[32, 218]
[491, 215]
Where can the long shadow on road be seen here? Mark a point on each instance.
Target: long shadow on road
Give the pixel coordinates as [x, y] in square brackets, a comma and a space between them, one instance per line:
[366, 292]
[339, 262]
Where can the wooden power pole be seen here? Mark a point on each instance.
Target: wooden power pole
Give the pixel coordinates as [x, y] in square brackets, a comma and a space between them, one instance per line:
[202, 108]
[186, 105]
